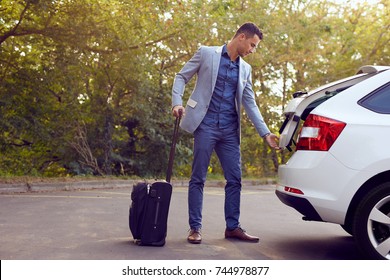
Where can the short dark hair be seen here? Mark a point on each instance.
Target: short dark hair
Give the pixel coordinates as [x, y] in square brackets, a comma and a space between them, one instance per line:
[249, 29]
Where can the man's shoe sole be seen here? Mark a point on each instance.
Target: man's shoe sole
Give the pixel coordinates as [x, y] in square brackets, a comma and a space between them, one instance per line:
[243, 240]
[194, 241]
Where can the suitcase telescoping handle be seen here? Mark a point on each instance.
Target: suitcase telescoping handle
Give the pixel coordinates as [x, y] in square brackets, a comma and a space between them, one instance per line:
[173, 147]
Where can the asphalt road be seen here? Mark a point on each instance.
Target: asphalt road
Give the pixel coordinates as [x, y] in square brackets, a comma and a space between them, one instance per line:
[93, 225]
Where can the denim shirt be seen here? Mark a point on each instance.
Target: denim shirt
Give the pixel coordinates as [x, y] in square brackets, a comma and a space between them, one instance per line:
[222, 109]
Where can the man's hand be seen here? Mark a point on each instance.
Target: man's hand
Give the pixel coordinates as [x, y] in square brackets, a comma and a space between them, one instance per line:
[272, 141]
[178, 109]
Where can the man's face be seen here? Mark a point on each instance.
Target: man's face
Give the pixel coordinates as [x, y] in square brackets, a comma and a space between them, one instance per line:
[247, 45]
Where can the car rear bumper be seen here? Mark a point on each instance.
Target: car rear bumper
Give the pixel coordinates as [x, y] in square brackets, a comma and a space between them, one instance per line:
[317, 185]
[301, 204]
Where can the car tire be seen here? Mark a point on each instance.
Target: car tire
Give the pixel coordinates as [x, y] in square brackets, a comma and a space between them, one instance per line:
[371, 226]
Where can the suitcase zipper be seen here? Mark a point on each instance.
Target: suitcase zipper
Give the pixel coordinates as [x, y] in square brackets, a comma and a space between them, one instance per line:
[157, 212]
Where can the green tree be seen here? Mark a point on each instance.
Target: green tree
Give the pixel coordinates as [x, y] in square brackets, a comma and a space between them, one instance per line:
[85, 85]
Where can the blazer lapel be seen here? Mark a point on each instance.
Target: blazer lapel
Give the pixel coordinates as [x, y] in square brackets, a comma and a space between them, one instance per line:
[215, 66]
[241, 80]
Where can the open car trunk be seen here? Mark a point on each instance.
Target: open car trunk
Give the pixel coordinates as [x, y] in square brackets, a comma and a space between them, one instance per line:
[303, 103]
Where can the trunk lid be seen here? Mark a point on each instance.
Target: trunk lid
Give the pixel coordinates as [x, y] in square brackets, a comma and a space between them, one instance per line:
[303, 103]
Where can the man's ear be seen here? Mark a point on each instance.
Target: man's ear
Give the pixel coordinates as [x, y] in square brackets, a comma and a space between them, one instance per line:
[242, 36]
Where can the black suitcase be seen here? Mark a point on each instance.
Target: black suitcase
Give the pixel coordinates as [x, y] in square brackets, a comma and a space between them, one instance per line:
[148, 214]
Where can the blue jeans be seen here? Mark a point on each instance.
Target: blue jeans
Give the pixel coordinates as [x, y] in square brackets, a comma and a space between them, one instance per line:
[226, 144]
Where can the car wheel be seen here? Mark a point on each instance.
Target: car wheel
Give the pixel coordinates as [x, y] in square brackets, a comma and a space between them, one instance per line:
[371, 225]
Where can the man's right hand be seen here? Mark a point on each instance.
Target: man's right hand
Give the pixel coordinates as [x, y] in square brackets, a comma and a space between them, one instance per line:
[178, 110]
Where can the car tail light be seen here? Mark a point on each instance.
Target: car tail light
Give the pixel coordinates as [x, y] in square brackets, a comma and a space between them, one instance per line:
[319, 133]
[293, 190]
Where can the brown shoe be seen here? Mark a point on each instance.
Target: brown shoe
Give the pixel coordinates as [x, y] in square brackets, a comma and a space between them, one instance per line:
[239, 233]
[195, 236]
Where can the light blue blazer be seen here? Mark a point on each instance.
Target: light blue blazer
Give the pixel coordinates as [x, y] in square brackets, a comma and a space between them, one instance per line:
[205, 64]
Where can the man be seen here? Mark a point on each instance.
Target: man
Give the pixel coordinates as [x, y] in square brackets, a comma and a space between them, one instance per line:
[212, 114]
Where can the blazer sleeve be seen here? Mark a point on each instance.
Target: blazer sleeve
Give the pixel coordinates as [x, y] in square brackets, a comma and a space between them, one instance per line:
[251, 107]
[184, 76]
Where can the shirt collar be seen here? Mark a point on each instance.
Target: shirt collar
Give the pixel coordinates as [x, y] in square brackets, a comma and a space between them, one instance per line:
[225, 53]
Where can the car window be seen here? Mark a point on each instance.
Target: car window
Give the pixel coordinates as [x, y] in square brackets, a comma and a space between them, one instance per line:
[315, 103]
[378, 101]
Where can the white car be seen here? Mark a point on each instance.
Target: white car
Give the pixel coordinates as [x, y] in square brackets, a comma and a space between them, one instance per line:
[339, 172]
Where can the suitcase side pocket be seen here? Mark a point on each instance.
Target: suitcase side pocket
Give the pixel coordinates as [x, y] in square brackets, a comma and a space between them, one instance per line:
[137, 209]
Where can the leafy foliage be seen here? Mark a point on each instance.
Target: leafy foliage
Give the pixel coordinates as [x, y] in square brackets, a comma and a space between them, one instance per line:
[85, 85]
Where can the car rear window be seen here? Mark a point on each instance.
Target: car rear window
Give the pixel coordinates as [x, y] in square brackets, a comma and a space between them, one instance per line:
[315, 103]
[378, 101]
